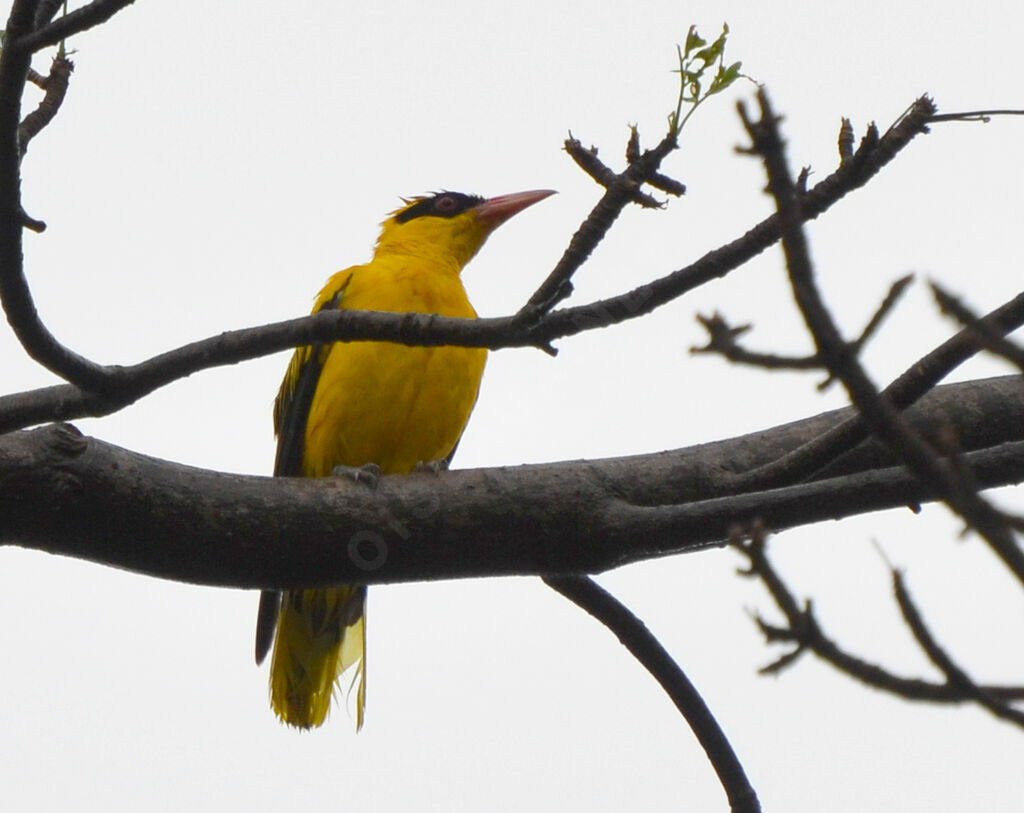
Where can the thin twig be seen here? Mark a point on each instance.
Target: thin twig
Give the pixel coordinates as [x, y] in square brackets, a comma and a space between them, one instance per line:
[56, 84]
[845, 140]
[891, 298]
[637, 638]
[974, 115]
[620, 190]
[988, 336]
[722, 339]
[803, 630]
[872, 155]
[896, 290]
[955, 675]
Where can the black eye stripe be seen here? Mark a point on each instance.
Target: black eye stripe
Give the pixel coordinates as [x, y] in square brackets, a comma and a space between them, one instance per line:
[443, 204]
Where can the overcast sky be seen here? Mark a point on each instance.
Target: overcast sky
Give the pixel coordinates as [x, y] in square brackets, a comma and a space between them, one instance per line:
[212, 166]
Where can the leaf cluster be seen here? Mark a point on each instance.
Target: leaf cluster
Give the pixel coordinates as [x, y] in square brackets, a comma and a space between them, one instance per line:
[697, 59]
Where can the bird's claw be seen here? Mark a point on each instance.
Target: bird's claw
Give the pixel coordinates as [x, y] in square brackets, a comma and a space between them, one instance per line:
[433, 467]
[368, 473]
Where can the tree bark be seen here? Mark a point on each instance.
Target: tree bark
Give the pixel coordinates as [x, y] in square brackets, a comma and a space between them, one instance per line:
[67, 494]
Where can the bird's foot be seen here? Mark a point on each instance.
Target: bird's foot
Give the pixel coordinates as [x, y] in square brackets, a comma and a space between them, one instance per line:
[433, 467]
[368, 473]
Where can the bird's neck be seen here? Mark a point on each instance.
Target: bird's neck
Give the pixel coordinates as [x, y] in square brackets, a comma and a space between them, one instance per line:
[441, 260]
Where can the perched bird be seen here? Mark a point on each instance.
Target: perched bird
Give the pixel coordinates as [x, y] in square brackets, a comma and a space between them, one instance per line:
[354, 404]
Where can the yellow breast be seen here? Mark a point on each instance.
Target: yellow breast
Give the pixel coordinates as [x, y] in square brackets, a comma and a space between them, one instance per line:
[385, 403]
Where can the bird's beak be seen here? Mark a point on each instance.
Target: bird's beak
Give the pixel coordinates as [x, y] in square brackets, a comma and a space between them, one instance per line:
[495, 211]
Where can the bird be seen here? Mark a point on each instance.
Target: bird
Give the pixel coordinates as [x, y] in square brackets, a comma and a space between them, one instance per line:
[362, 408]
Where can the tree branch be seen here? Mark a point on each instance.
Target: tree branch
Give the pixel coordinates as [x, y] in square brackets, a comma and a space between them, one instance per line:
[722, 339]
[803, 630]
[956, 677]
[824, 453]
[79, 497]
[641, 643]
[56, 84]
[98, 390]
[880, 415]
[15, 295]
[74, 22]
[988, 336]
[620, 190]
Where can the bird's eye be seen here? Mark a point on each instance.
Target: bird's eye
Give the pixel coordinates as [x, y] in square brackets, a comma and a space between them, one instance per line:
[445, 204]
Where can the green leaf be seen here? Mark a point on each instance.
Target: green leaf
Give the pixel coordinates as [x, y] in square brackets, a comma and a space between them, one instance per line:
[725, 77]
[693, 40]
[696, 58]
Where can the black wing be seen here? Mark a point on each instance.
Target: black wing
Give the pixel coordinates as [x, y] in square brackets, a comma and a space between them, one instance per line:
[288, 463]
[291, 415]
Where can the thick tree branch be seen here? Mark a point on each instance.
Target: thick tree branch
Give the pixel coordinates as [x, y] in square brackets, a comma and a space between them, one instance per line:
[69, 495]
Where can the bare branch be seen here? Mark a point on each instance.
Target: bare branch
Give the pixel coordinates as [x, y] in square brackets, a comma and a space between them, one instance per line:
[955, 676]
[620, 190]
[637, 638]
[877, 412]
[722, 339]
[46, 10]
[983, 116]
[891, 298]
[100, 390]
[56, 85]
[75, 22]
[872, 155]
[989, 337]
[14, 290]
[803, 630]
[845, 141]
[821, 453]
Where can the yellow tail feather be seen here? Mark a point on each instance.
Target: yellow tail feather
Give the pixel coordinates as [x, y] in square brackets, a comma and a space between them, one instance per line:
[320, 635]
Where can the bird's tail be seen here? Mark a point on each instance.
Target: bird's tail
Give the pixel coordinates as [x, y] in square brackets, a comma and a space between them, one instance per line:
[320, 634]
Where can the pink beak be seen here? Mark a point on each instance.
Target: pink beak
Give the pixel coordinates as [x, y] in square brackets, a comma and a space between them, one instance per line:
[495, 211]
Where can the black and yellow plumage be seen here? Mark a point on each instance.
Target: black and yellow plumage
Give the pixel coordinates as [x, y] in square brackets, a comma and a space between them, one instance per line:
[354, 403]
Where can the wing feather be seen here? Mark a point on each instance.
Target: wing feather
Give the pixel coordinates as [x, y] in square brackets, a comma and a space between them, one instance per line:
[291, 412]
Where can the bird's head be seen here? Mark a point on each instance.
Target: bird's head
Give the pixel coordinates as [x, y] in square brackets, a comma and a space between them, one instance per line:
[450, 226]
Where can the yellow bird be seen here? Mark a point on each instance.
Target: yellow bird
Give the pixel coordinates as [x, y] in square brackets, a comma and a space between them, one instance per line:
[354, 404]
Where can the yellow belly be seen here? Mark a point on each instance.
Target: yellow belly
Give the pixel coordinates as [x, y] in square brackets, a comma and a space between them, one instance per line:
[391, 405]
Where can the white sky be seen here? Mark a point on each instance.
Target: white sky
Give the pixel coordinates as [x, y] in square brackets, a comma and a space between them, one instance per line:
[211, 167]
